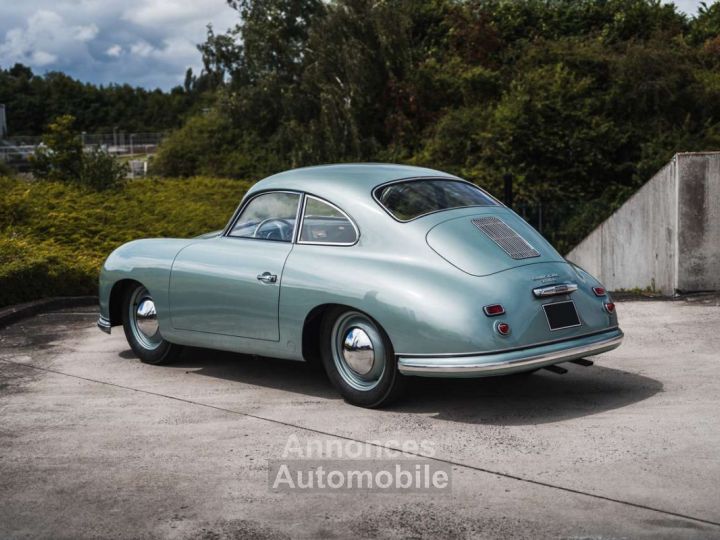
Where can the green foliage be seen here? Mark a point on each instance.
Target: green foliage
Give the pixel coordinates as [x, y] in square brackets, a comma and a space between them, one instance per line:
[33, 101]
[55, 236]
[30, 270]
[706, 27]
[5, 169]
[102, 171]
[580, 100]
[61, 158]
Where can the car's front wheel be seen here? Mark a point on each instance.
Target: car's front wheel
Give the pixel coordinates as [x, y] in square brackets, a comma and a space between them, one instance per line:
[359, 359]
[141, 327]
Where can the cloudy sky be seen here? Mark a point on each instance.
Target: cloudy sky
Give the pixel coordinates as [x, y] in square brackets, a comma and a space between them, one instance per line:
[147, 43]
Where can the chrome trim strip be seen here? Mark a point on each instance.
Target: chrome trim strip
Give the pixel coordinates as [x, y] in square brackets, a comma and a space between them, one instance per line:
[514, 349]
[325, 201]
[406, 366]
[104, 325]
[299, 217]
[553, 290]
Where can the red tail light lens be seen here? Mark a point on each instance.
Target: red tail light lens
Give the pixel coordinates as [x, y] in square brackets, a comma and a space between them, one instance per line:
[599, 291]
[609, 307]
[503, 328]
[493, 310]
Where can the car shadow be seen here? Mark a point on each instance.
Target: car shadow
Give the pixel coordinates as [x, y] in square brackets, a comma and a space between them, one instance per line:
[537, 398]
[528, 399]
[287, 375]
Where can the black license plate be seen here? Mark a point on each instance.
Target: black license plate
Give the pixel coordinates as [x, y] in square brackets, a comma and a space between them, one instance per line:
[561, 315]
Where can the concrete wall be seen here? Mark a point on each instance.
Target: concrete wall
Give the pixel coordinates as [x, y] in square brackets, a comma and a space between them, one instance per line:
[698, 222]
[665, 237]
[635, 247]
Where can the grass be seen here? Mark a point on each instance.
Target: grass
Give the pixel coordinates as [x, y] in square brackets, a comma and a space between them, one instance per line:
[54, 237]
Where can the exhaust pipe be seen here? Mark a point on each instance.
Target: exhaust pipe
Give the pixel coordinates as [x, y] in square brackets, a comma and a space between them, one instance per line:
[556, 369]
[583, 362]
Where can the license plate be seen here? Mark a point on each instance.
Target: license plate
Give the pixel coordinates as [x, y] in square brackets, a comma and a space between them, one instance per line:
[561, 315]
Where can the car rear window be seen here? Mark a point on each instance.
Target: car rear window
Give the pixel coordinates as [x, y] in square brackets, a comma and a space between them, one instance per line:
[414, 198]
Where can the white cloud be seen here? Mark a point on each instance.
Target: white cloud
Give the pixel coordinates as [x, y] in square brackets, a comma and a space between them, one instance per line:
[689, 7]
[141, 48]
[143, 42]
[42, 58]
[45, 31]
[86, 33]
[158, 12]
[114, 50]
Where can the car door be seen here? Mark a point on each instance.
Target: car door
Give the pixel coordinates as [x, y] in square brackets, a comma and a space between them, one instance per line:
[231, 284]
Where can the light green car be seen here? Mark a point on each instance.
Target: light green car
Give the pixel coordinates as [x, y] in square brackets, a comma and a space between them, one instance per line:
[382, 271]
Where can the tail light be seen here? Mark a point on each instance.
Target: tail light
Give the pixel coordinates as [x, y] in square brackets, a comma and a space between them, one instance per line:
[502, 328]
[494, 310]
[599, 291]
[609, 307]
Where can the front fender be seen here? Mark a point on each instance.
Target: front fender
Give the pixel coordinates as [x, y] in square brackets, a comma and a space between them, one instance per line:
[147, 261]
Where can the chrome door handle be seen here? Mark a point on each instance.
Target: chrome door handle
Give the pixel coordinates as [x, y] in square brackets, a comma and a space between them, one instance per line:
[267, 277]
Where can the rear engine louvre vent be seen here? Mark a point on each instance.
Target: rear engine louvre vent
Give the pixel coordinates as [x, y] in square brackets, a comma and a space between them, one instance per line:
[510, 241]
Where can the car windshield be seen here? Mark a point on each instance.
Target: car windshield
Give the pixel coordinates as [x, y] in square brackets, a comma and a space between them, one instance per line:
[414, 198]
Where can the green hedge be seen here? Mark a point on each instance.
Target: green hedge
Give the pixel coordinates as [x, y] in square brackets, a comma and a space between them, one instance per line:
[54, 237]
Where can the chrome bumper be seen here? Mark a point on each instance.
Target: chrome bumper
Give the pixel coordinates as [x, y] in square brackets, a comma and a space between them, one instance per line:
[104, 325]
[502, 363]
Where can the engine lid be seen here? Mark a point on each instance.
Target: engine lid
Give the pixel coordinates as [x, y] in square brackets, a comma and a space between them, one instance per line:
[490, 242]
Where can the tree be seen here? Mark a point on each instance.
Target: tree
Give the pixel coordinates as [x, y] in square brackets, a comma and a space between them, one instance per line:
[581, 100]
[61, 158]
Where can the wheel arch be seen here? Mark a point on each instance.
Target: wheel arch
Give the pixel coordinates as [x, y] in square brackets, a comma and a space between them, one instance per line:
[115, 302]
[310, 340]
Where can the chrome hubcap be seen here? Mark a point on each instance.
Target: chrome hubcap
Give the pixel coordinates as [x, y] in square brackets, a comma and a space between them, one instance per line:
[146, 317]
[143, 319]
[358, 351]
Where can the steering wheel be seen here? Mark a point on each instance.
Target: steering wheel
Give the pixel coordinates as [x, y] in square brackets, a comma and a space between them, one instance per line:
[279, 232]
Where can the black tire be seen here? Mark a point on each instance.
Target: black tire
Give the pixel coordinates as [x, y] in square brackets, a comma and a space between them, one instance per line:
[150, 347]
[351, 337]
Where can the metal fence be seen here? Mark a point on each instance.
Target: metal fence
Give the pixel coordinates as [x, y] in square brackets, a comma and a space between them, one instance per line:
[117, 143]
[16, 151]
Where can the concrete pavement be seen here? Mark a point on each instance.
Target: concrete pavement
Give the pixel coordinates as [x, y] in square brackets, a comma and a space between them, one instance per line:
[95, 443]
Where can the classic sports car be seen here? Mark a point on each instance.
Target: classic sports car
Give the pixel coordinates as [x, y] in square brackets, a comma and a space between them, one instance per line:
[381, 271]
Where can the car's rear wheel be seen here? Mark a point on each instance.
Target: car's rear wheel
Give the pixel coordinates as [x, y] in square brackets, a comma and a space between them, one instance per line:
[142, 330]
[359, 358]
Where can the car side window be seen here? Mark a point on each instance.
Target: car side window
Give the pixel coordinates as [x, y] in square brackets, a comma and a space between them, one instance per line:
[270, 216]
[323, 223]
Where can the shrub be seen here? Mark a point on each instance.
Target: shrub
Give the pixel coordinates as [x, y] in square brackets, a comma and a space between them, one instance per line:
[30, 270]
[5, 169]
[101, 171]
[208, 144]
[61, 158]
[54, 236]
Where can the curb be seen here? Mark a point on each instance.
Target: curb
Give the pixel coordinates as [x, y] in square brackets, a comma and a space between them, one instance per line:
[11, 314]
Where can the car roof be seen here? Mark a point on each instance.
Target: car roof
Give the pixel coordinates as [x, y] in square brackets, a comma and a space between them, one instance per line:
[343, 181]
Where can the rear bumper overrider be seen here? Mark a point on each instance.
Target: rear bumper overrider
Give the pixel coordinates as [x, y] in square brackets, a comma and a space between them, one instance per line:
[515, 361]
